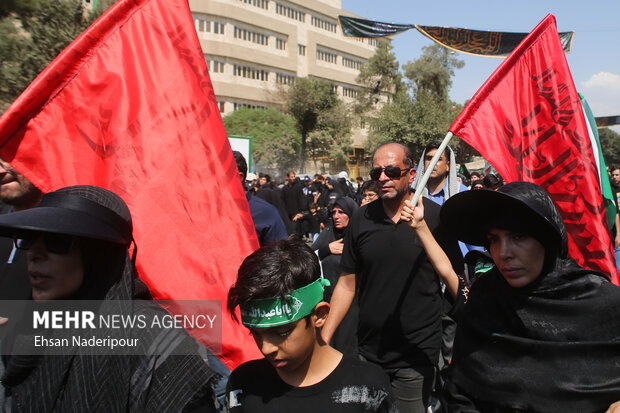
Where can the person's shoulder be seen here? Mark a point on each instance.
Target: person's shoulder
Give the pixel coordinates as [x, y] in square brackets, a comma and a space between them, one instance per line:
[354, 371]
[249, 371]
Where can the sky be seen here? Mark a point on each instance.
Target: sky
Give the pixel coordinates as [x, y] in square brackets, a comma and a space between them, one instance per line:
[594, 60]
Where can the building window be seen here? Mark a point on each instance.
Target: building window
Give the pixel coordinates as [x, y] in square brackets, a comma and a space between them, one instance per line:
[237, 106]
[372, 42]
[218, 28]
[290, 12]
[251, 73]
[221, 106]
[335, 88]
[351, 63]
[280, 44]
[251, 36]
[349, 92]
[283, 79]
[263, 4]
[326, 56]
[302, 49]
[324, 24]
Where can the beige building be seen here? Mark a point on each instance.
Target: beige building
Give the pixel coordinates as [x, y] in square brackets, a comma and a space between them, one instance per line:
[255, 47]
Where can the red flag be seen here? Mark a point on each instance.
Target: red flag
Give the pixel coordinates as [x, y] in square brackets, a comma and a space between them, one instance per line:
[129, 106]
[527, 121]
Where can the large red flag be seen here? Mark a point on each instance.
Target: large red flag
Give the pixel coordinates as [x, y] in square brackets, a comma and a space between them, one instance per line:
[129, 106]
[527, 121]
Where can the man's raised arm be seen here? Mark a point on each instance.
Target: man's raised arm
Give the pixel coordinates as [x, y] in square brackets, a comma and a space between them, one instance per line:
[343, 295]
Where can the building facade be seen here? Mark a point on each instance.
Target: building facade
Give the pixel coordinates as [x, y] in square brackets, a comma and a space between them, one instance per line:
[254, 48]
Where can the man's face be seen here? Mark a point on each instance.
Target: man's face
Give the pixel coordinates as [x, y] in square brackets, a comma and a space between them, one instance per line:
[15, 189]
[615, 177]
[262, 181]
[441, 168]
[291, 176]
[391, 188]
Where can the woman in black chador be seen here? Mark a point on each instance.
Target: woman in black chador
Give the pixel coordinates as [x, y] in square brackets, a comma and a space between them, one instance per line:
[538, 333]
[77, 241]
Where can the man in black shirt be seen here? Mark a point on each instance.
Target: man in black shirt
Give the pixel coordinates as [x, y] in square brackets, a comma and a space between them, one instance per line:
[295, 201]
[400, 298]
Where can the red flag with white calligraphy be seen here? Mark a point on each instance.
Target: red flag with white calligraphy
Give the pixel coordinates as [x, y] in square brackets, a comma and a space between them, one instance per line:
[129, 106]
[527, 121]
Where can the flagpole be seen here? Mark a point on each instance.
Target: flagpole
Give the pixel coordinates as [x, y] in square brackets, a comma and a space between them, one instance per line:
[429, 169]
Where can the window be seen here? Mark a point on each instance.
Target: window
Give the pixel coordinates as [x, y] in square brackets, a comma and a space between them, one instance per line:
[290, 12]
[218, 28]
[280, 44]
[323, 24]
[349, 92]
[372, 42]
[283, 79]
[302, 49]
[351, 63]
[263, 4]
[326, 56]
[251, 36]
[250, 73]
[221, 106]
[237, 106]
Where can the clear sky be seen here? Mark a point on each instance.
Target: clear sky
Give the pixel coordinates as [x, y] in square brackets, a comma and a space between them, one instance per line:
[594, 60]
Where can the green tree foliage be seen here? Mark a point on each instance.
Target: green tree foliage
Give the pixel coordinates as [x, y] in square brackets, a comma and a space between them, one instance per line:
[275, 139]
[432, 72]
[332, 137]
[379, 75]
[610, 144]
[421, 112]
[31, 36]
[315, 107]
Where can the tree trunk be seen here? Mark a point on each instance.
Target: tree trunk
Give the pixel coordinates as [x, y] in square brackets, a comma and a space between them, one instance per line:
[302, 153]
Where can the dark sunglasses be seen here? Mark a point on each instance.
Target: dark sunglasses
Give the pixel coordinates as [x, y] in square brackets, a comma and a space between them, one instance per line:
[54, 243]
[391, 172]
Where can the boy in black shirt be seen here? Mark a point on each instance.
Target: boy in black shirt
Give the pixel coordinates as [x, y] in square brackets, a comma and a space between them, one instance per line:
[279, 290]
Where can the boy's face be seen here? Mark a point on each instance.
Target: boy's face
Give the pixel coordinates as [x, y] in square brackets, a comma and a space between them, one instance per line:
[287, 347]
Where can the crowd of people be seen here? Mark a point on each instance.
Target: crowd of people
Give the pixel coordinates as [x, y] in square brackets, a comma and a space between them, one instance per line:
[359, 300]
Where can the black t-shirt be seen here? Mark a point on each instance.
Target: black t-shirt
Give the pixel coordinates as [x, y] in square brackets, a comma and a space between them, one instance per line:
[400, 297]
[354, 386]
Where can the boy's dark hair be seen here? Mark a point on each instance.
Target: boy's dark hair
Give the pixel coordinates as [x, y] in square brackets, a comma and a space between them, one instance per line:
[274, 270]
[436, 145]
[242, 165]
[370, 185]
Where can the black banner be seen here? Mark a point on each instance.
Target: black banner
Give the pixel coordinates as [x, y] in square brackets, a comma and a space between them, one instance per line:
[604, 121]
[476, 42]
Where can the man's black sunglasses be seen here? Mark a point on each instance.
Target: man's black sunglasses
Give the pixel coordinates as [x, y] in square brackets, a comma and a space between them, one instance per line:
[391, 172]
[54, 243]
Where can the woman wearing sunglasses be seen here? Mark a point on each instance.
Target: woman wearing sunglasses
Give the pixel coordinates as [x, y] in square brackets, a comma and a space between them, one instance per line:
[77, 241]
[538, 333]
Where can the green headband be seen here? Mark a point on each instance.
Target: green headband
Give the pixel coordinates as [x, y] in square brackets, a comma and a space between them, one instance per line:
[271, 312]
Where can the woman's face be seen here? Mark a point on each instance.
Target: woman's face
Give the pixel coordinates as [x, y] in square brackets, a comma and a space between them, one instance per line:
[517, 256]
[55, 275]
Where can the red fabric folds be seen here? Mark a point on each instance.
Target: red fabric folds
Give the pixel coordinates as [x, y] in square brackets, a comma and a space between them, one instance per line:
[129, 106]
[527, 121]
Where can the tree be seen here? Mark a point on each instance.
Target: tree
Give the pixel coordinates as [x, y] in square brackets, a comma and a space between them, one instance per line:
[432, 72]
[275, 140]
[332, 137]
[420, 114]
[610, 145]
[378, 76]
[31, 36]
[309, 102]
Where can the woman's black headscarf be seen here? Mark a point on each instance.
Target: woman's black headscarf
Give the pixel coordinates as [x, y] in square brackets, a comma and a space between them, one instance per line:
[169, 376]
[551, 346]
